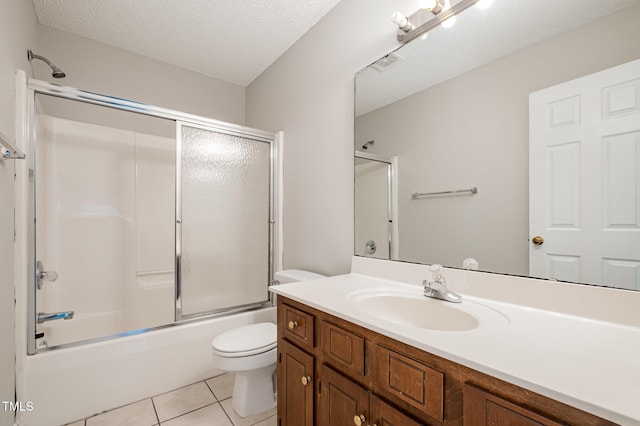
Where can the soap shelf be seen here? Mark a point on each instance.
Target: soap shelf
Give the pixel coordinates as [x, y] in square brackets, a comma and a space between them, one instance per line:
[8, 151]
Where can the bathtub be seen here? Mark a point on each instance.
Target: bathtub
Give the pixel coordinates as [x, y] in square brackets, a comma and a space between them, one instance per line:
[69, 384]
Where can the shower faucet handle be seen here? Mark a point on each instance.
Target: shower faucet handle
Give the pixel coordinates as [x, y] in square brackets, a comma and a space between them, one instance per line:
[42, 275]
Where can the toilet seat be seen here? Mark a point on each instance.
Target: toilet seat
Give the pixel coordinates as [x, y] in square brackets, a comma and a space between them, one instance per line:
[244, 341]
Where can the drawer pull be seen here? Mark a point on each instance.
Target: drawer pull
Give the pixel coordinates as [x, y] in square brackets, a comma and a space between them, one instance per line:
[292, 324]
[359, 420]
[305, 380]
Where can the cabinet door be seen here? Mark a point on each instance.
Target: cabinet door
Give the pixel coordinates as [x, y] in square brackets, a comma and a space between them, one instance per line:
[483, 408]
[341, 348]
[411, 381]
[384, 414]
[341, 400]
[295, 385]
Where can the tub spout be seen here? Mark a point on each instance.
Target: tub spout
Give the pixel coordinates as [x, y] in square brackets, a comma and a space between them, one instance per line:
[44, 317]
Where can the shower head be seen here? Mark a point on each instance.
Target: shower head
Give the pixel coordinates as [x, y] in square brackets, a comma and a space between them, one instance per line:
[56, 72]
[366, 145]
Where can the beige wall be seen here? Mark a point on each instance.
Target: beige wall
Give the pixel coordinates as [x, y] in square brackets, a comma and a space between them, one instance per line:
[18, 28]
[308, 93]
[112, 71]
[96, 67]
[473, 130]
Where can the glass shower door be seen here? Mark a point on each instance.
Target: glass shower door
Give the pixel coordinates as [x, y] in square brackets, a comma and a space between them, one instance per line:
[223, 220]
[104, 221]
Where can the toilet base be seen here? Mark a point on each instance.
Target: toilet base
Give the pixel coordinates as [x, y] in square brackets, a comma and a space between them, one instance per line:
[254, 391]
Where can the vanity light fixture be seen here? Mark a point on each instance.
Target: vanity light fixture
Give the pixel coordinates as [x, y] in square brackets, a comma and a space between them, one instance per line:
[449, 22]
[433, 6]
[431, 14]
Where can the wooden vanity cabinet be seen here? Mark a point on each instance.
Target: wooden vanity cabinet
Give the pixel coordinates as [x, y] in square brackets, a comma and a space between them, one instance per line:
[332, 372]
[343, 402]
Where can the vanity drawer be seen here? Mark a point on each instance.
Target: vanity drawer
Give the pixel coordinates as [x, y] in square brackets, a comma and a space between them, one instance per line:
[342, 348]
[298, 326]
[411, 381]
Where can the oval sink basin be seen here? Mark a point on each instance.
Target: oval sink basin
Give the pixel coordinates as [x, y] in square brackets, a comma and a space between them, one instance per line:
[411, 308]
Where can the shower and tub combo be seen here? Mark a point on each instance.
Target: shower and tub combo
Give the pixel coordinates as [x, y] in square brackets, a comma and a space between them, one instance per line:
[141, 233]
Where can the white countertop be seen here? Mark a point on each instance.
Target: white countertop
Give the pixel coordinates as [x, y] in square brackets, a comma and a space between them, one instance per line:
[588, 364]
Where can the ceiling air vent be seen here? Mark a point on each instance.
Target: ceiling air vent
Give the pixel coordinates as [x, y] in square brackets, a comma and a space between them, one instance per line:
[387, 62]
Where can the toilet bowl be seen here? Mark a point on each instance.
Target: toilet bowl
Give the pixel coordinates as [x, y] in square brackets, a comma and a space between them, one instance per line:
[250, 352]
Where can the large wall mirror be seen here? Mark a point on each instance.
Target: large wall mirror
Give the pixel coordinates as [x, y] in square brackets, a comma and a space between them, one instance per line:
[515, 137]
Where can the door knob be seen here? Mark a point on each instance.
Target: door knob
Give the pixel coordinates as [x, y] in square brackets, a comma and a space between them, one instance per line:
[292, 325]
[305, 380]
[537, 240]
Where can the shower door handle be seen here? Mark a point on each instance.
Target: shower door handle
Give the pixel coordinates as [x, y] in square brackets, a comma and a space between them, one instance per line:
[42, 275]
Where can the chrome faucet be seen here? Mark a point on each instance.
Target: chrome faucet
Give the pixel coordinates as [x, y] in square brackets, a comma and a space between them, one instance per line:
[44, 317]
[437, 287]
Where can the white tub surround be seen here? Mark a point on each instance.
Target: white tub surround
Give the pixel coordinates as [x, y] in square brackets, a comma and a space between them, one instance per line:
[585, 359]
[73, 383]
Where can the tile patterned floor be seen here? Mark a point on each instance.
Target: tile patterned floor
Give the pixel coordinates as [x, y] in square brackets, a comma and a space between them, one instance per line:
[203, 403]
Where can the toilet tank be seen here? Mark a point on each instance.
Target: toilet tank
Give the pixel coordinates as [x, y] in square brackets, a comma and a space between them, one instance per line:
[294, 275]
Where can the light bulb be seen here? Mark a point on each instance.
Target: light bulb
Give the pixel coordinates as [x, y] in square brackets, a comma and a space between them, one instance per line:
[401, 21]
[450, 22]
[483, 4]
[427, 4]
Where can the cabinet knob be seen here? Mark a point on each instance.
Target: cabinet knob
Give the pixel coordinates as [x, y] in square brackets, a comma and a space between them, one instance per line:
[305, 380]
[359, 420]
[292, 324]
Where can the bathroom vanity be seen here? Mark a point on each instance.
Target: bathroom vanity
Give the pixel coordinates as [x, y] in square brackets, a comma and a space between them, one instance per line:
[353, 349]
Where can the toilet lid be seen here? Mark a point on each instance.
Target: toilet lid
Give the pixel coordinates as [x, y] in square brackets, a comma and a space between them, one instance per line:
[247, 340]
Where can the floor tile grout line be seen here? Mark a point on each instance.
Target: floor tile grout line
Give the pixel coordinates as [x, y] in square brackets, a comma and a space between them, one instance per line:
[118, 408]
[227, 414]
[259, 421]
[155, 410]
[189, 412]
[181, 387]
[210, 389]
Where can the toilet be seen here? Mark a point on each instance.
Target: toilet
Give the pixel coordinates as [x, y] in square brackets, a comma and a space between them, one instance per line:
[250, 352]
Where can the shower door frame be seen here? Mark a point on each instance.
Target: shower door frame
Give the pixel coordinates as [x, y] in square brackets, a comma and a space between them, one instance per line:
[392, 200]
[35, 87]
[179, 316]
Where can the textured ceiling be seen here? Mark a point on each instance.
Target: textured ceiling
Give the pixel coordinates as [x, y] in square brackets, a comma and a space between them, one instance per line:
[479, 36]
[233, 40]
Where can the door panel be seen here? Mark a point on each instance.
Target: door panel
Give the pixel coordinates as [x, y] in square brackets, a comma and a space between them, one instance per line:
[341, 400]
[295, 398]
[482, 408]
[385, 415]
[225, 213]
[585, 179]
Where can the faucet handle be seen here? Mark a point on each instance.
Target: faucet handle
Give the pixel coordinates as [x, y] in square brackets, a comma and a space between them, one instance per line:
[42, 275]
[436, 272]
